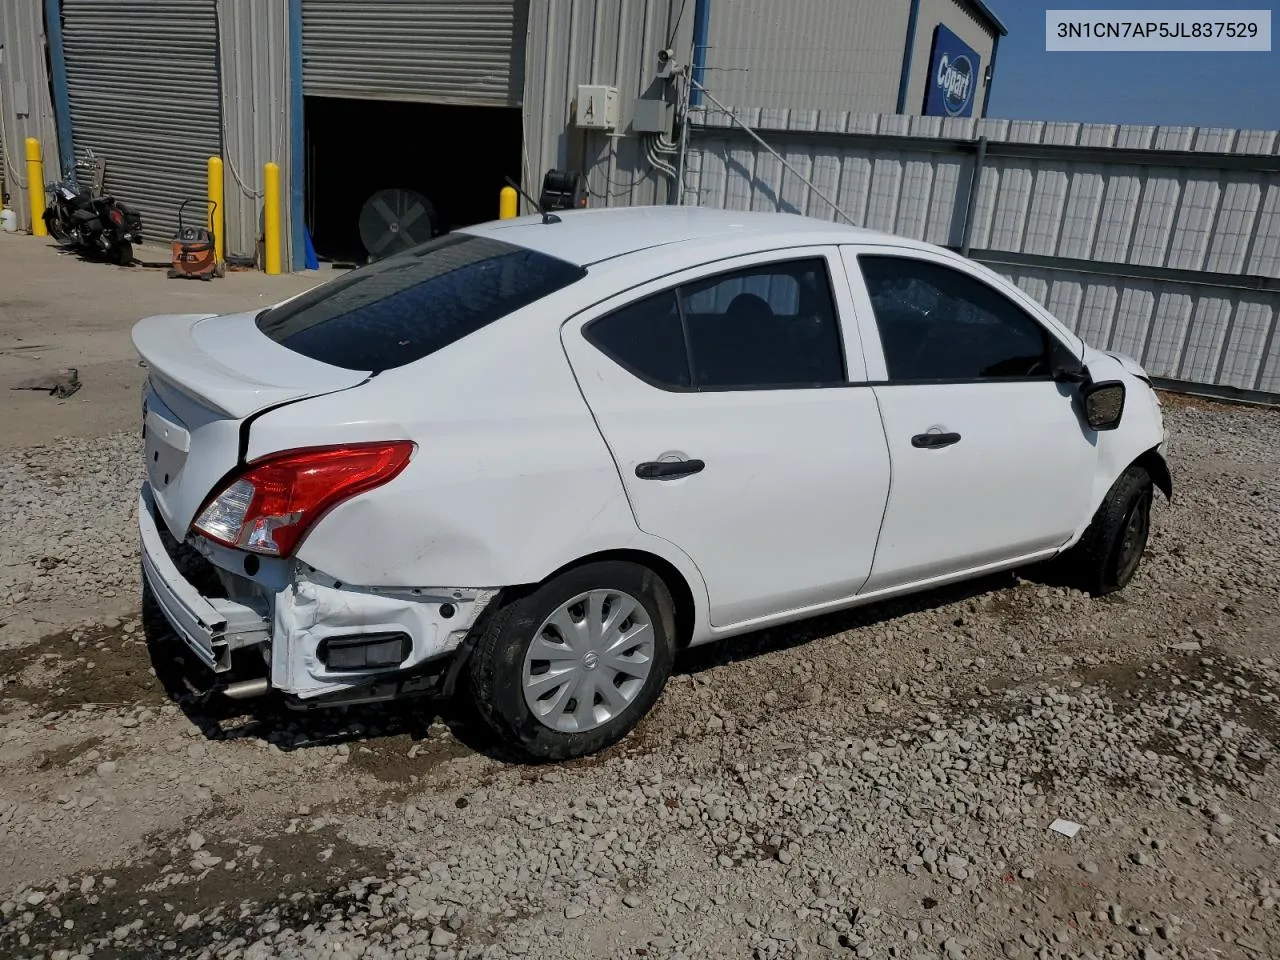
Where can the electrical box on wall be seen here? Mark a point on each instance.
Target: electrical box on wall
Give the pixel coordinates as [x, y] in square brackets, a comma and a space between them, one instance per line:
[597, 107]
[652, 116]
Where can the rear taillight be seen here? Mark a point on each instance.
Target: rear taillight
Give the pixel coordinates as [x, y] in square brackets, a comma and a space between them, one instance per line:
[116, 217]
[269, 507]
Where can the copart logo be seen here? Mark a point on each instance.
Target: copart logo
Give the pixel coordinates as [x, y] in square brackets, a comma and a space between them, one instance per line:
[955, 78]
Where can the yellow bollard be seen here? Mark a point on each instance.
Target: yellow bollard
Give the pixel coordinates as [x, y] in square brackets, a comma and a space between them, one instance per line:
[215, 206]
[271, 218]
[508, 203]
[35, 187]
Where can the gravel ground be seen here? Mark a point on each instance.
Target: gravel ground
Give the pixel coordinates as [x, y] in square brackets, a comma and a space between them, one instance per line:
[874, 784]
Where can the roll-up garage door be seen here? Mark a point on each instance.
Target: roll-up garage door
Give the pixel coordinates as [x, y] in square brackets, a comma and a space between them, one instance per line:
[143, 82]
[467, 52]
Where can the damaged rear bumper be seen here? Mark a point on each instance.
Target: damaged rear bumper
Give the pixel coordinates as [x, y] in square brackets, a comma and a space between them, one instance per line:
[210, 627]
[308, 628]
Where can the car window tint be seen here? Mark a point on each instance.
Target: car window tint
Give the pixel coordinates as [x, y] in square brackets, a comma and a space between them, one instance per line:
[937, 323]
[769, 325]
[646, 338]
[780, 290]
[412, 304]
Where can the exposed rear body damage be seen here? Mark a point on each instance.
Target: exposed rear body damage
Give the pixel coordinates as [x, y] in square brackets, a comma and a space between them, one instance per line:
[209, 378]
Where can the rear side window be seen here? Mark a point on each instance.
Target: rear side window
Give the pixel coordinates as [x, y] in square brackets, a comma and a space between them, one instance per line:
[646, 338]
[767, 326]
[772, 325]
[408, 306]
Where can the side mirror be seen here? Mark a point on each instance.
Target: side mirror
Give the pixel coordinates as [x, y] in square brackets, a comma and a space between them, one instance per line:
[1103, 404]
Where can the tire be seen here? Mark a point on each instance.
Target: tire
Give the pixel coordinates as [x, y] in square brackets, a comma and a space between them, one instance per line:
[504, 669]
[1107, 556]
[124, 253]
[53, 224]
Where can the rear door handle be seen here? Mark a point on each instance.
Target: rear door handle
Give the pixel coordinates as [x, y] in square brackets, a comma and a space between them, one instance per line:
[668, 469]
[932, 440]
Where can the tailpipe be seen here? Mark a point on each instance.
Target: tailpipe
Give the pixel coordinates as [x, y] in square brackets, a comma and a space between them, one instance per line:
[246, 689]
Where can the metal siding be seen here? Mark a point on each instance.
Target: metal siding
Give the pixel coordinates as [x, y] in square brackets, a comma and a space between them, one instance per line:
[143, 80]
[433, 51]
[22, 64]
[807, 54]
[1265, 259]
[571, 42]
[254, 56]
[1243, 354]
[1218, 223]
[1209, 320]
[959, 19]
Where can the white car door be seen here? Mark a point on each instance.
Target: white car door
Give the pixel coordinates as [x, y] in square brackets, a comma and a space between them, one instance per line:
[990, 460]
[724, 396]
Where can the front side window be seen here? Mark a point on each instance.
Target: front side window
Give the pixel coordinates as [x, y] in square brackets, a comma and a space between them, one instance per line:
[405, 307]
[772, 325]
[937, 323]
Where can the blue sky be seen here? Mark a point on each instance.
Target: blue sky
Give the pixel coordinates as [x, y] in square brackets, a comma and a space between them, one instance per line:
[1195, 89]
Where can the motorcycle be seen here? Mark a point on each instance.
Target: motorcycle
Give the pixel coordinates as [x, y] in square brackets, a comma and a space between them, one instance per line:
[97, 226]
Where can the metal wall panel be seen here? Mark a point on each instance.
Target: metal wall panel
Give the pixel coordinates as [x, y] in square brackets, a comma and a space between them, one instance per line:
[1172, 259]
[253, 37]
[959, 18]
[25, 107]
[143, 83]
[571, 42]
[468, 52]
[807, 54]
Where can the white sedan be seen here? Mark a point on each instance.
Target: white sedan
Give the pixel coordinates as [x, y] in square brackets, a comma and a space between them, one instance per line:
[534, 460]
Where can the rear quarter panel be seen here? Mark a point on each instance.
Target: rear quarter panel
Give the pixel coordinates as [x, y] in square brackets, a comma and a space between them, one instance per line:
[511, 479]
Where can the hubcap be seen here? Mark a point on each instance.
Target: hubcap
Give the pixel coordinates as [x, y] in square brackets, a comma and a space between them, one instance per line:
[588, 661]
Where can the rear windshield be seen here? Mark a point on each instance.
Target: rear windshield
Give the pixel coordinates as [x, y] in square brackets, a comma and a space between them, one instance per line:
[410, 305]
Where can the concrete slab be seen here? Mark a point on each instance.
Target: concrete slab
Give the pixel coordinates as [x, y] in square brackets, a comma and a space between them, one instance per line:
[57, 311]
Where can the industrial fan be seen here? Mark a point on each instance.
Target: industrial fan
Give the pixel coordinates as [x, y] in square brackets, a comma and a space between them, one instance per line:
[395, 219]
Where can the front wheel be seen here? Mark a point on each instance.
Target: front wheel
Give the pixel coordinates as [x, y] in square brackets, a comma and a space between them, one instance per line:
[53, 224]
[571, 667]
[123, 253]
[1107, 556]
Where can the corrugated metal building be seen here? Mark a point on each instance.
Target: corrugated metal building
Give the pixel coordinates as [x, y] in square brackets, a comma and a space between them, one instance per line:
[863, 56]
[25, 106]
[389, 117]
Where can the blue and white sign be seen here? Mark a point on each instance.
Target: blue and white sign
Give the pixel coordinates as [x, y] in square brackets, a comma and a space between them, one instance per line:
[953, 76]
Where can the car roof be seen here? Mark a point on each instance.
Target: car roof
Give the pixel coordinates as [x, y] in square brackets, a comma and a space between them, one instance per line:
[586, 237]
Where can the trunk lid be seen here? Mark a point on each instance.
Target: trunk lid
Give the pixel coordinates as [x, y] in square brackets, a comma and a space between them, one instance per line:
[206, 376]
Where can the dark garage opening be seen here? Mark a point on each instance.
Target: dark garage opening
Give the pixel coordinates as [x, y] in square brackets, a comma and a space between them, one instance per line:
[456, 157]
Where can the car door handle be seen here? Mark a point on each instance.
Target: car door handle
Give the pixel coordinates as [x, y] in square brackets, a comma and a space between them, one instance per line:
[932, 440]
[668, 469]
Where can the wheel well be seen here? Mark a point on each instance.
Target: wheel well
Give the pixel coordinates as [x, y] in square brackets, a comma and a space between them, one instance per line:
[1154, 464]
[677, 586]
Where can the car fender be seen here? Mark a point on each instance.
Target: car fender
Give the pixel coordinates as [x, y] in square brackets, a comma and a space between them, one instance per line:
[1139, 438]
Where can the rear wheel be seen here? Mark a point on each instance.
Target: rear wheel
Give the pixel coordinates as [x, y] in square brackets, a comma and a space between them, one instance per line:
[572, 667]
[1108, 555]
[124, 253]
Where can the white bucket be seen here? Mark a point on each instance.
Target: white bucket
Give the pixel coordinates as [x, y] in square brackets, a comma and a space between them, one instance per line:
[9, 221]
